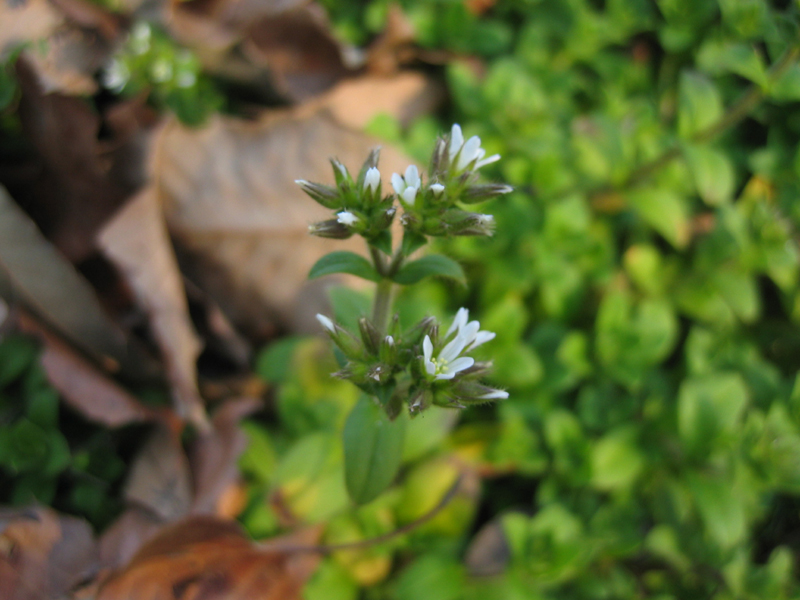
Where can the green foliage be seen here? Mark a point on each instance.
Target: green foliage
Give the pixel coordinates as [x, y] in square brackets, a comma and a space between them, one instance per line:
[38, 464]
[643, 284]
[151, 61]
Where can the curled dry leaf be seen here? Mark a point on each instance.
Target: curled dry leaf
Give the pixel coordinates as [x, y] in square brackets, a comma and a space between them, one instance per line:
[82, 385]
[209, 558]
[137, 242]
[44, 555]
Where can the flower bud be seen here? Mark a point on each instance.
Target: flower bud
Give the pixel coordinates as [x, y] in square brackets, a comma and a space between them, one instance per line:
[340, 173]
[332, 228]
[466, 391]
[419, 401]
[388, 350]
[345, 340]
[459, 222]
[324, 194]
[369, 335]
[480, 192]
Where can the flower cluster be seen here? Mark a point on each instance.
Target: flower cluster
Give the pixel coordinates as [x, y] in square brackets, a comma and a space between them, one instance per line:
[359, 205]
[416, 367]
[430, 210]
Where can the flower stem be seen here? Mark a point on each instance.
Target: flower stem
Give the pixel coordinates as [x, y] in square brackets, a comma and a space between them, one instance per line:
[382, 306]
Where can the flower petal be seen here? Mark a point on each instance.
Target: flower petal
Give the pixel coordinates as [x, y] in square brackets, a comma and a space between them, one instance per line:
[459, 320]
[460, 364]
[494, 395]
[427, 348]
[326, 323]
[412, 176]
[409, 195]
[456, 140]
[481, 338]
[397, 183]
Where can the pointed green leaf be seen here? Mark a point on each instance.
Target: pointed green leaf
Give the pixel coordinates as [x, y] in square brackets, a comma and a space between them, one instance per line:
[344, 262]
[373, 449]
[427, 266]
[699, 104]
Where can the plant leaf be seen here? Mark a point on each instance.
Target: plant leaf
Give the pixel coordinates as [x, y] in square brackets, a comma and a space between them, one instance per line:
[344, 262]
[373, 448]
[427, 266]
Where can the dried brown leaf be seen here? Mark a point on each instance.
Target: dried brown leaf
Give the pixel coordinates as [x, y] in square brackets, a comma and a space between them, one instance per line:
[208, 558]
[43, 554]
[67, 188]
[33, 272]
[215, 453]
[300, 51]
[356, 102]
[123, 538]
[137, 242]
[488, 552]
[159, 479]
[82, 385]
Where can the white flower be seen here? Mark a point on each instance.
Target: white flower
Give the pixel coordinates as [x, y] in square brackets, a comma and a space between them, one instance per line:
[436, 188]
[346, 218]
[468, 151]
[326, 323]
[115, 75]
[449, 360]
[407, 186]
[372, 180]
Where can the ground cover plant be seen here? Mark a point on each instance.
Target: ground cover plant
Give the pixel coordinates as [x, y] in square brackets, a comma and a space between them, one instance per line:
[164, 373]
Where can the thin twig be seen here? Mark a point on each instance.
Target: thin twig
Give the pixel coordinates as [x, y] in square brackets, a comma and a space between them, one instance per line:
[359, 545]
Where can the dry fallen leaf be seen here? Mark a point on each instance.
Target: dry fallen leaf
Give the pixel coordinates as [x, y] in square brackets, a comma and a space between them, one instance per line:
[137, 242]
[488, 552]
[43, 555]
[123, 538]
[356, 102]
[215, 453]
[300, 51]
[33, 272]
[67, 40]
[230, 199]
[209, 558]
[82, 385]
[66, 187]
[159, 478]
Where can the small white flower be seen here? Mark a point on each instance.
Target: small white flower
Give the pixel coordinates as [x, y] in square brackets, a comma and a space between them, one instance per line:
[449, 360]
[326, 323]
[389, 340]
[487, 220]
[468, 151]
[436, 188]
[346, 218]
[372, 180]
[185, 79]
[115, 76]
[408, 185]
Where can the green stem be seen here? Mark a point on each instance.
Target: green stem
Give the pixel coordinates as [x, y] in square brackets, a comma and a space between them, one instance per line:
[382, 306]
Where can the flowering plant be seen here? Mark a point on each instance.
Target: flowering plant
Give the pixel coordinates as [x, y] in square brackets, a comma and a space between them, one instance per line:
[415, 367]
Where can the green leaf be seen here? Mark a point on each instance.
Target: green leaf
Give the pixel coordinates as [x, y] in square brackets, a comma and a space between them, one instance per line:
[344, 262]
[713, 174]
[665, 211]
[709, 407]
[699, 104]
[16, 354]
[373, 449]
[616, 460]
[427, 266]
